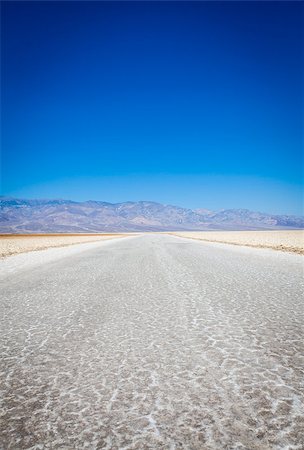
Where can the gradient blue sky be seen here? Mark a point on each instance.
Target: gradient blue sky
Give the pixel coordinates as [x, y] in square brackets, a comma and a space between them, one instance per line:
[198, 104]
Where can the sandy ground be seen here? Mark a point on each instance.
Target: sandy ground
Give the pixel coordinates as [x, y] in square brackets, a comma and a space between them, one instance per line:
[289, 241]
[15, 244]
[152, 342]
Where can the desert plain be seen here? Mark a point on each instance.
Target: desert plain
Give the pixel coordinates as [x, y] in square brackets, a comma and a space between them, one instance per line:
[284, 240]
[13, 244]
[152, 341]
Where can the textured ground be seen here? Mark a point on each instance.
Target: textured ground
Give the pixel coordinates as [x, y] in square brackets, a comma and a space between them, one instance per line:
[153, 342]
[15, 244]
[290, 241]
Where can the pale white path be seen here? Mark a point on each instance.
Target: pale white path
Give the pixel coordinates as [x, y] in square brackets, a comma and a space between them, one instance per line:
[153, 342]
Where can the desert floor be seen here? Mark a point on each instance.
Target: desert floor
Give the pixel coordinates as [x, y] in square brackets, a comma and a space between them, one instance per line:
[15, 244]
[152, 342]
[290, 241]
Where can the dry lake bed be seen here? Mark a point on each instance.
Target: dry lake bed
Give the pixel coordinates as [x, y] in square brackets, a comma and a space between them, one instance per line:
[283, 240]
[152, 342]
[13, 244]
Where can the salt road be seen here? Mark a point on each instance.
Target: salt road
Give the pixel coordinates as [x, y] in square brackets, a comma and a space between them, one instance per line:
[152, 342]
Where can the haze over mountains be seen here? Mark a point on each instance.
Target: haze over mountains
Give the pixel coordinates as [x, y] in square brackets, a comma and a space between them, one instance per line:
[48, 216]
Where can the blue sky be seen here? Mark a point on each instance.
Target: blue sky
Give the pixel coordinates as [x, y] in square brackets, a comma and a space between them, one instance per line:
[198, 104]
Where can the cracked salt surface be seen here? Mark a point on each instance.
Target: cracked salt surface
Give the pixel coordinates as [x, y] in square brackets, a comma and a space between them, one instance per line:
[153, 342]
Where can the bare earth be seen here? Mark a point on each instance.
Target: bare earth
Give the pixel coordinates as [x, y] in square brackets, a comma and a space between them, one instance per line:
[152, 342]
[289, 241]
[15, 244]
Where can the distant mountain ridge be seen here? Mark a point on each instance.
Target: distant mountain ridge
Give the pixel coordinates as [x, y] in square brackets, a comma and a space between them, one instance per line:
[51, 216]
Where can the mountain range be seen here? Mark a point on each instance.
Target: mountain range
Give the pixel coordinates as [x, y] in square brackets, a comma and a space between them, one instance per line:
[65, 216]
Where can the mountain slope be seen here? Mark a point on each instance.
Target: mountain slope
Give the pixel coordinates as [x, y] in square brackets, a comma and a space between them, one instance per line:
[34, 216]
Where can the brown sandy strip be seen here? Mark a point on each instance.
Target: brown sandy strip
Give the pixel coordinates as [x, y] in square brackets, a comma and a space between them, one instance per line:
[21, 243]
[286, 241]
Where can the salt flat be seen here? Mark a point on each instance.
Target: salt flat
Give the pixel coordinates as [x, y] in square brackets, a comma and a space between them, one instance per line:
[16, 244]
[284, 240]
[153, 342]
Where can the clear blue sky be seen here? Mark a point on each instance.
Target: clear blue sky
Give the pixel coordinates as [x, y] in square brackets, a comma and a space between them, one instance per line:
[198, 104]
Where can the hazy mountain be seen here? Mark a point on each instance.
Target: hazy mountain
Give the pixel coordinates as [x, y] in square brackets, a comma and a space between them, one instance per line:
[33, 216]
